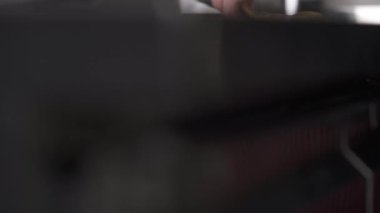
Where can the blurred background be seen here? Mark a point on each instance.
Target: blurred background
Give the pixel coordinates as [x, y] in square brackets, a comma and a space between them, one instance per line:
[169, 106]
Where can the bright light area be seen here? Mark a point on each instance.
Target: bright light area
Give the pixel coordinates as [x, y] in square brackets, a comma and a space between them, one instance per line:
[193, 6]
[291, 7]
[367, 14]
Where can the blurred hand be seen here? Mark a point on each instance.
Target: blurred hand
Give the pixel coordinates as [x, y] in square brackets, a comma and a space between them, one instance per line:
[230, 7]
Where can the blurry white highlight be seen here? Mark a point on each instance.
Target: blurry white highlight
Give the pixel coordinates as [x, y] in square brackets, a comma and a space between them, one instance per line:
[367, 14]
[193, 6]
[291, 7]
